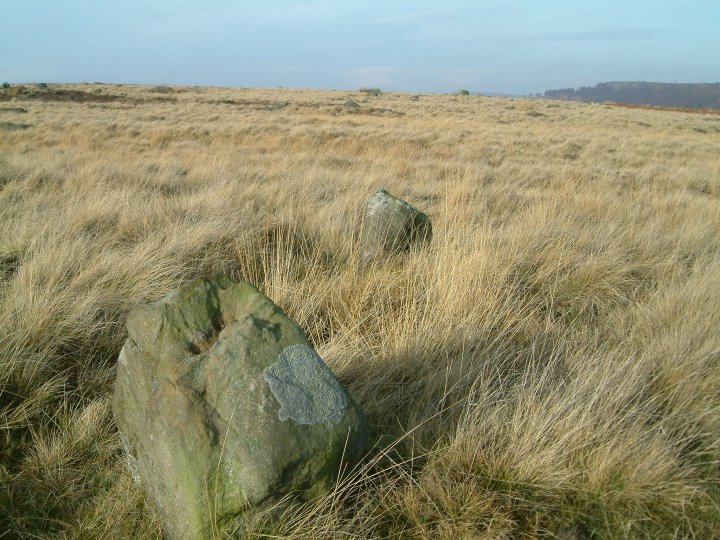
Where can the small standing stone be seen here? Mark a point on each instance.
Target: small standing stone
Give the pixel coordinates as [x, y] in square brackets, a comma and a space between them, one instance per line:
[391, 226]
[224, 408]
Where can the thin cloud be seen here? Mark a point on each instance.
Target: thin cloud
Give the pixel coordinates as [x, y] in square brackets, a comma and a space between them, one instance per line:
[411, 16]
[462, 33]
[349, 45]
[382, 76]
[618, 34]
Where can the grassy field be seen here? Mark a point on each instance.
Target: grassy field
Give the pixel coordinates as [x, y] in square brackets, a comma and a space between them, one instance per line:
[550, 363]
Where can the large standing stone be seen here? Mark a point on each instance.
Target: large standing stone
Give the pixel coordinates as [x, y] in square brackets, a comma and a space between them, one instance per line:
[224, 407]
[391, 226]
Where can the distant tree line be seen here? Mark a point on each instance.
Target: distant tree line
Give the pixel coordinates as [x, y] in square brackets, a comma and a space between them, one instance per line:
[693, 95]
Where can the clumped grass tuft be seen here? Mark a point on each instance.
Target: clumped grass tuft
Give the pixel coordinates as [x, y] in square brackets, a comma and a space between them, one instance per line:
[162, 89]
[371, 91]
[550, 363]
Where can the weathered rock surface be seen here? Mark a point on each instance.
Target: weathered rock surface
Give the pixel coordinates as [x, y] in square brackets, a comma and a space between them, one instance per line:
[224, 407]
[391, 226]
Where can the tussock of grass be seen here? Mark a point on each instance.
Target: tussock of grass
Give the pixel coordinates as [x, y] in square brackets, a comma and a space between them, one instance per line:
[551, 360]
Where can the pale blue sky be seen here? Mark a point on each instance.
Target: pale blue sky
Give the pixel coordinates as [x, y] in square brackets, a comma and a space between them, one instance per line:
[513, 46]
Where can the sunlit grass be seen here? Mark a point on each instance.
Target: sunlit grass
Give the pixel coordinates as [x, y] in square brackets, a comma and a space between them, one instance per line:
[552, 359]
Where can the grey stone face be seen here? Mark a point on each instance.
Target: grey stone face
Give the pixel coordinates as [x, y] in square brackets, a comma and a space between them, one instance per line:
[305, 388]
[131, 461]
[224, 408]
[391, 226]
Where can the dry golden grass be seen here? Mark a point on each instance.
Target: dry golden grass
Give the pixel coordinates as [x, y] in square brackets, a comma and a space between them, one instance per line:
[552, 360]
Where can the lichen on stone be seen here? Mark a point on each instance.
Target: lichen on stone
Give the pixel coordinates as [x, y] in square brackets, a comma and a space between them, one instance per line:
[305, 388]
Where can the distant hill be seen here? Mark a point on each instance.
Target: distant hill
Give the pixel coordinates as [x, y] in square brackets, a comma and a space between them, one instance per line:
[692, 95]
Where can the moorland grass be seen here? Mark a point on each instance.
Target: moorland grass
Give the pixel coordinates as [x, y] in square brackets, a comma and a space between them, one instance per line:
[551, 360]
